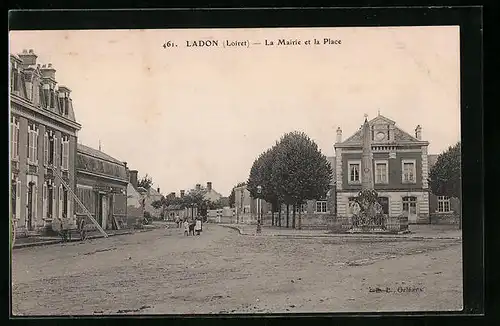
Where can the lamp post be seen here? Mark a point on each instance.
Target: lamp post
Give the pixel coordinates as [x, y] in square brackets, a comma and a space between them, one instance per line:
[259, 192]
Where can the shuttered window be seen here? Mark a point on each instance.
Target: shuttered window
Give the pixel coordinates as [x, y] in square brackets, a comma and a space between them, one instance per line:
[14, 140]
[46, 149]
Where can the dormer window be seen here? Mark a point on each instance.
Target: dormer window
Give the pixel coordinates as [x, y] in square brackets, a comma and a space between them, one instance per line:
[14, 78]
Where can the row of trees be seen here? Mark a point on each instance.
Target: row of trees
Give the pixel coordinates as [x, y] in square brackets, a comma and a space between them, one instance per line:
[291, 172]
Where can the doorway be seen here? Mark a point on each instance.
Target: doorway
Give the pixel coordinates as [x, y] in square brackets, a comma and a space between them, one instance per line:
[104, 211]
[410, 208]
[29, 218]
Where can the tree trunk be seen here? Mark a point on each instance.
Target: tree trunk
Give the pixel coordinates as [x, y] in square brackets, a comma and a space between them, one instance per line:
[279, 215]
[287, 216]
[293, 215]
[300, 218]
[272, 214]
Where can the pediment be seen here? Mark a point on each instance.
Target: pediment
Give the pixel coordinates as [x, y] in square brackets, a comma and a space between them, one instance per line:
[380, 121]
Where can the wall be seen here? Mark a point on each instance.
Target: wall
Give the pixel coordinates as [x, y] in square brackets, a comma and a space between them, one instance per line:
[395, 170]
[134, 208]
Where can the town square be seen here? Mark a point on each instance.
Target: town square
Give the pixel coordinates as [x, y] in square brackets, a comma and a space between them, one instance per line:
[161, 193]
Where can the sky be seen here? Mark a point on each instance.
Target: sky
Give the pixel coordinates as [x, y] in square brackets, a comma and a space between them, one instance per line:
[188, 115]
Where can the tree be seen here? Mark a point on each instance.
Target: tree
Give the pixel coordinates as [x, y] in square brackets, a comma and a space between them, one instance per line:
[300, 171]
[232, 198]
[261, 175]
[146, 182]
[445, 176]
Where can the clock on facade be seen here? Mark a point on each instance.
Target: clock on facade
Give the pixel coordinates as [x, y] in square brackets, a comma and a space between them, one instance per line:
[380, 136]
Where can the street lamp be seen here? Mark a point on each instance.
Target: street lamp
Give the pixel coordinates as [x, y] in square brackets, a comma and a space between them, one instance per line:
[259, 192]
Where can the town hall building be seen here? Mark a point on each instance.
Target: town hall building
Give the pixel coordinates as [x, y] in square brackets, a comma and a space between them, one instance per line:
[400, 168]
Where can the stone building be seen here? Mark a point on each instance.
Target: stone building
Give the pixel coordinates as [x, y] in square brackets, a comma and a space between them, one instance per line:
[400, 167]
[102, 187]
[43, 138]
[149, 196]
[443, 210]
[314, 213]
[135, 207]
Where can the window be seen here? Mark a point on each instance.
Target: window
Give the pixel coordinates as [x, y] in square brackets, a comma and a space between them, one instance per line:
[301, 208]
[321, 206]
[65, 153]
[32, 144]
[14, 78]
[444, 204]
[410, 205]
[381, 172]
[408, 171]
[14, 140]
[354, 168]
[46, 149]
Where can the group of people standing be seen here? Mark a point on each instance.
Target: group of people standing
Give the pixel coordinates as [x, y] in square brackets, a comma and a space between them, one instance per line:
[192, 227]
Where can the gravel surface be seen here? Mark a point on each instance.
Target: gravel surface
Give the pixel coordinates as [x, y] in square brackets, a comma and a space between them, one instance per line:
[164, 272]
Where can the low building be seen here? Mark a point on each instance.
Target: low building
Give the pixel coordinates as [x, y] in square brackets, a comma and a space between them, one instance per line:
[314, 213]
[149, 196]
[442, 209]
[135, 208]
[43, 137]
[102, 187]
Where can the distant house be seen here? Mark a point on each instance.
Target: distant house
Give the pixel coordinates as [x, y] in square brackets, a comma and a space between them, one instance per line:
[135, 209]
[442, 207]
[149, 196]
[208, 192]
[313, 212]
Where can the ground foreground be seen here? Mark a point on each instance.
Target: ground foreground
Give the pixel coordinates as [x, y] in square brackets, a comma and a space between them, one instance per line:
[163, 272]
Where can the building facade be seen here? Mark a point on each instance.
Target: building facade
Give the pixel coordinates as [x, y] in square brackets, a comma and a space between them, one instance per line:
[149, 196]
[314, 212]
[400, 168]
[102, 187]
[43, 138]
[135, 207]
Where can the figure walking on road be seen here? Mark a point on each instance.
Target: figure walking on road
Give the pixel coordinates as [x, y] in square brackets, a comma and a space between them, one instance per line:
[186, 227]
[197, 227]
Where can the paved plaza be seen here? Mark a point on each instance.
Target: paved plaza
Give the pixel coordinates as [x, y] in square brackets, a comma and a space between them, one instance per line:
[221, 271]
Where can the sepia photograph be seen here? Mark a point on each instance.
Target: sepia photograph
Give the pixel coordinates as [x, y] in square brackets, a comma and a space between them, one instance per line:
[235, 171]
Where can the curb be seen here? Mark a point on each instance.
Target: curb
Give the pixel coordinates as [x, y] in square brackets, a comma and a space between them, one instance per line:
[344, 236]
[98, 236]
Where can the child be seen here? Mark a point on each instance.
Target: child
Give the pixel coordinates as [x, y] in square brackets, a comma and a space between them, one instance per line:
[186, 227]
[197, 227]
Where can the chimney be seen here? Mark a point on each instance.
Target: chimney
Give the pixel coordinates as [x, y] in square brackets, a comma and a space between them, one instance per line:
[182, 193]
[209, 186]
[198, 187]
[339, 135]
[125, 164]
[133, 178]
[172, 195]
[28, 58]
[48, 72]
[418, 132]
[158, 190]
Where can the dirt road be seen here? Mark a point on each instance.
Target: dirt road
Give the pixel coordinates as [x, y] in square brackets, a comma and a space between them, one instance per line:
[163, 272]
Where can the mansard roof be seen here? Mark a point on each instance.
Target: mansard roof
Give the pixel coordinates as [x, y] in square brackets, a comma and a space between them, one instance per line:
[96, 162]
[30, 75]
[400, 136]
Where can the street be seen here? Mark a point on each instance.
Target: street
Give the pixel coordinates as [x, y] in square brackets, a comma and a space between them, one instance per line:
[164, 272]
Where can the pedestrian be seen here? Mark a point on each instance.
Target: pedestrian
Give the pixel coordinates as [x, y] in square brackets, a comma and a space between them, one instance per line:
[177, 221]
[186, 227]
[197, 227]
